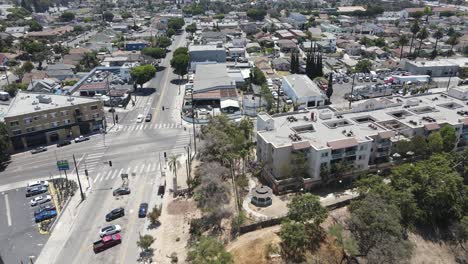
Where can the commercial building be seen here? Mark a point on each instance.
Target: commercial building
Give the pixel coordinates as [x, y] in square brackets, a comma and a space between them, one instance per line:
[35, 119]
[436, 68]
[356, 140]
[206, 54]
[303, 91]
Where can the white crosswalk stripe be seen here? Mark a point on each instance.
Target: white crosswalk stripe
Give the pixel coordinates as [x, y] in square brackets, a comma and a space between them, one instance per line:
[120, 173]
[148, 169]
[108, 175]
[142, 168]
[114, 174]
[97, 177]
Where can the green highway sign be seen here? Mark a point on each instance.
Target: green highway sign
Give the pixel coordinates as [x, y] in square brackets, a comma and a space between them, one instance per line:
[62, 165]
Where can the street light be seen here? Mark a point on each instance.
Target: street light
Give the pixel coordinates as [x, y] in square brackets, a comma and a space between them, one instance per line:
[450, 77]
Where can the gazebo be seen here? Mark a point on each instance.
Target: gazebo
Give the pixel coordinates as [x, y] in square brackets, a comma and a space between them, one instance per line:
[261, 196]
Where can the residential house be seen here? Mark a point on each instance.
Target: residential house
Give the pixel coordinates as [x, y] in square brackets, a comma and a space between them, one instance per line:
[60, 71]
[296, 19]
[286, 45]
[281, 64]
[47, 85]
[135, 45]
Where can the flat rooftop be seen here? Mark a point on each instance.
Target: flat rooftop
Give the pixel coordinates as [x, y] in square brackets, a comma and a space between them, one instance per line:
[211, 76]
[204, 48]
[367, 118]
[25, 103]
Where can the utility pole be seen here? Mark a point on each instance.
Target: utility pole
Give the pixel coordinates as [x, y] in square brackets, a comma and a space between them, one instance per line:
[193, 124]
[78, 177]
[110, 99]
[450, 77]
[352, 90]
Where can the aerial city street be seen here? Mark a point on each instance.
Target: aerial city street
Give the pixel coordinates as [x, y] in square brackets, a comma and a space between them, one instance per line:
[283, 131]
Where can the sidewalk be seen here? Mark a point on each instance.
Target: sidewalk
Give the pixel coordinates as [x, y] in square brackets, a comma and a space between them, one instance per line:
[63, 224]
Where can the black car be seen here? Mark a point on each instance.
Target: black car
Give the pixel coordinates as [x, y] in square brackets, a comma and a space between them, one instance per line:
[143, 210]
[36, 190]
[148, 117]
[63, 143]
[121, 191]
[43, 208]
[114, 214]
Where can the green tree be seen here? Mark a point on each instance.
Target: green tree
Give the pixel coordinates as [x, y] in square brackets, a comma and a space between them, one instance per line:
[402, 42]
[67, 16]
[5, 144]
[419, 146]
[154, 215]
[348, 245]
[180, 64]
[256, 14]
[175, 23]
[125, 14]
[174, 164]
[438, 34]
[414, 30]
[363, 66]
[258, 76]
[108, 16]
[422, 35]
[156, 53]
[192, 28]
[13, 88]
[142, 74]
[307, 209]
[163, 42]
[329, 91]
[453, 41]
[35, 26]
[27, 66]
[294, 240]
[435, 142]
[209, 251]
[449, 137]
[145, 242]
[170, 32]
[89, 60]
[180, 51]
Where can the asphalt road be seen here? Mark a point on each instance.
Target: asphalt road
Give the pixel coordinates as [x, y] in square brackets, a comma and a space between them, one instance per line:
[19, 235]
[137, 149]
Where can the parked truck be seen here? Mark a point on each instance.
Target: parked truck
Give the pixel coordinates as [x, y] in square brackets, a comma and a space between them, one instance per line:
[107, 242]
[410, 79]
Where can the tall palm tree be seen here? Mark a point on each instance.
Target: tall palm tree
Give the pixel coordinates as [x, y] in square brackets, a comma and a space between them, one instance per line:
[438, 34]
[174, 163]
[422, 35]
[452, 41]
[402, 41]
[414, 29]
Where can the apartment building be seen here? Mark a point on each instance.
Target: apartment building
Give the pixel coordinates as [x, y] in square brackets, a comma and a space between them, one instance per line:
[355, 140]
[35, 119]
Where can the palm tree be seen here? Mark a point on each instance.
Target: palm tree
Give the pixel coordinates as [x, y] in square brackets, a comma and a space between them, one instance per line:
[174, 163]
[422, 35]
[414, 29]
[438, 34]
[402, 41]
[452, 41]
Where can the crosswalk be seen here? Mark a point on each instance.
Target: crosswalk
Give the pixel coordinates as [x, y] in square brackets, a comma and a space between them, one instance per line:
[93, 159]
[145, 126]
[135, 170]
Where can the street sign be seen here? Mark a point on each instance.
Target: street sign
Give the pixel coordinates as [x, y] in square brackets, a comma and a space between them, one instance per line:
[62, 165]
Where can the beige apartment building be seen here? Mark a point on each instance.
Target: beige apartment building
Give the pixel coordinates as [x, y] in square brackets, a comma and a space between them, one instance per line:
[34, 119]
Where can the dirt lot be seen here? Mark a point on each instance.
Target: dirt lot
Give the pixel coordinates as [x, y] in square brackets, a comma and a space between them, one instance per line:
[427, 251]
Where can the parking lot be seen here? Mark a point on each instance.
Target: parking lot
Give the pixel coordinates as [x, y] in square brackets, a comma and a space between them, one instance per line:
[19, 234]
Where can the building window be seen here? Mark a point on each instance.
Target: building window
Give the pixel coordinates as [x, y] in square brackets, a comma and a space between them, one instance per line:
[93, 107]
[325, 154]
[363, 147]
[30, 129]
[16, 132]
[28, 120]
[361, 157]
[54, 124]
[66, 121]
[53, 115]
[14, 123]
[64, 112]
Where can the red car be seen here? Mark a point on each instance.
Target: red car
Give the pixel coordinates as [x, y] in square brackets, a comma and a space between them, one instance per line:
[107, 242]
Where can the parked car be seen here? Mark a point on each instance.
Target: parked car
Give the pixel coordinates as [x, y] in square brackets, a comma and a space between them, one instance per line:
[44, 215]
[121, 191]
[143, 210]
[139, 118]
[81, 139]
[114, 214]
[148, 117]
[38, 150]
[63, 143]
[38, 183]
[107, 242]
[109, 230]
[36, 190]
[40, 200]
[42, 208]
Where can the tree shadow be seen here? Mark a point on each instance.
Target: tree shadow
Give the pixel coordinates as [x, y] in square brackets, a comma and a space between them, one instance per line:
[179, 81]
[146, 256]
[145, 91]
[4, 164]
[155, 225]
[160, 68]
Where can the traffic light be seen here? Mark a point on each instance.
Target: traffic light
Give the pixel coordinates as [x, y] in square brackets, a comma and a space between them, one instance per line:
[165, 156]
[110, 163]
[86, 172]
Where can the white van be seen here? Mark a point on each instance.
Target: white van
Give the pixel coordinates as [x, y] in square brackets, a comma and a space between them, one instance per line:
[4, 96]
[140, 118]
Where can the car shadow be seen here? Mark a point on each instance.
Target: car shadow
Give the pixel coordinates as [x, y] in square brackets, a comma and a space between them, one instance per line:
[179, 81]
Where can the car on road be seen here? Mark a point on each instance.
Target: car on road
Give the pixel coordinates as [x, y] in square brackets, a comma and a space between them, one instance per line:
[121, 191]
[40, 200]
[139, 118]
[36, 190]
[107, 242]
[37, 183]
[148, 117]
[81, 139]
[44, 215]
[109, 230]
[38, 150]
[42, 208]
[114, 214]
[63, 143]
[3, 77]
[143, 210]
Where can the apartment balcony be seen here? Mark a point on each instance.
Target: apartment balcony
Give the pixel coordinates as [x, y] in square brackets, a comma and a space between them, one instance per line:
[350, 153]
[337, 156]
[384, 144]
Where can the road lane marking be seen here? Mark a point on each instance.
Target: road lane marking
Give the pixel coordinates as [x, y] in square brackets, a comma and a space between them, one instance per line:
[108, 175]
[7, 205]
[148, 169]
[142, 169]
[115, 174]
[153, 167]
[120, 172]
[97, 177]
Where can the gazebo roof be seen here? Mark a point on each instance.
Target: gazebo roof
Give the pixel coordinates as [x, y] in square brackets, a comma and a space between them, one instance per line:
[262, 191]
